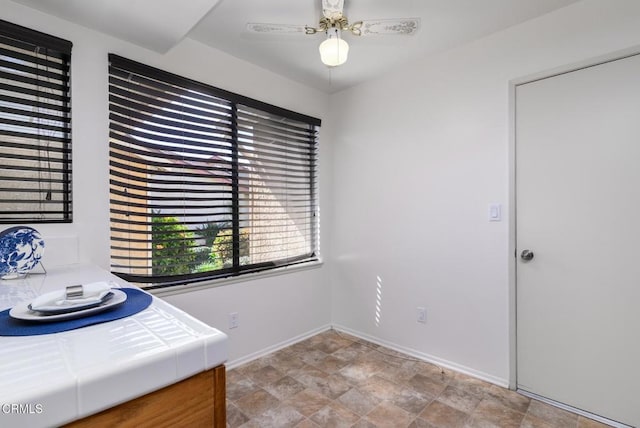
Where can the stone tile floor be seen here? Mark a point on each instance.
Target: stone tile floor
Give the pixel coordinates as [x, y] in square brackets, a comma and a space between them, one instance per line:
[336, 380]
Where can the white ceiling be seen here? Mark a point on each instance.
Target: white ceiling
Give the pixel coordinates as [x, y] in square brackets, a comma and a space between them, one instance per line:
[154, 24]
[161, 24]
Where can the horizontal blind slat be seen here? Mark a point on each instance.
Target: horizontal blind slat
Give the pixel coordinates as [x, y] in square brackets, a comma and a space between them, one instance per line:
[35, 131]
[40, 104]
[174, 144]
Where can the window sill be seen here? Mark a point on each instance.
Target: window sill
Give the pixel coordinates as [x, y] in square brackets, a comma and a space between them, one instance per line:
[180, 289]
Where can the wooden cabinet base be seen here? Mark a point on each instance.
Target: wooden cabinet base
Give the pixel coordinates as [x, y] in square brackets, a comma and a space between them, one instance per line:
[198, 401]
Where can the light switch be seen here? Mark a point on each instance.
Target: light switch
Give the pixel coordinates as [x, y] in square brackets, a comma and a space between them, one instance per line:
[495, 212]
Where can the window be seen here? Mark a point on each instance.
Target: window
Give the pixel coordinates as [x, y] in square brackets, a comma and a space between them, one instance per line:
[35, 126]
[205, 183]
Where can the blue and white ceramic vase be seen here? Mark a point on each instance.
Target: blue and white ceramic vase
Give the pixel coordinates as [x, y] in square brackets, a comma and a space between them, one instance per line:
[21, 248]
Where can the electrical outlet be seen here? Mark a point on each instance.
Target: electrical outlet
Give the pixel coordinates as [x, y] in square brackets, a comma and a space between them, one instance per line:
[234, 320]
[422, 315]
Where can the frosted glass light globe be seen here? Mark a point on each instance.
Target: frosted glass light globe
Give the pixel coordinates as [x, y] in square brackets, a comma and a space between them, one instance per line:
[334, 50]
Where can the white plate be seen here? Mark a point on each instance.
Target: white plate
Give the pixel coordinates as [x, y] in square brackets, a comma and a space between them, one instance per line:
[65, 309]
[22, 312]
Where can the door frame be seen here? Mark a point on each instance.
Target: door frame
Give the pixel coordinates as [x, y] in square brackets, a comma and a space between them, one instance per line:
[512, 210]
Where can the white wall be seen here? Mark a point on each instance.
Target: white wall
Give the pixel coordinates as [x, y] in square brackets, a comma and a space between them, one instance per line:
[408, 164]
[418, 156]
[303, 296]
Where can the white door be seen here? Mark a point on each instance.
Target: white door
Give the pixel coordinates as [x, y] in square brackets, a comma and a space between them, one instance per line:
[578, 212]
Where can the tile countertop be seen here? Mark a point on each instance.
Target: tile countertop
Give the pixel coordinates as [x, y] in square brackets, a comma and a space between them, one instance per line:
[52, 379]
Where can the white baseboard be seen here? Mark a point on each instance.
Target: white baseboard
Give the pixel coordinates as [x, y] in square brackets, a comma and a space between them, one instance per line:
[411, 352]
[268, 350]
[426, 357]
[568, 408]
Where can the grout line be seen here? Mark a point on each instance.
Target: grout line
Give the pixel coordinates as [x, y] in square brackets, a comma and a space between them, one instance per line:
[469, 414]
[230, 365]
[426, 357]
[573, 410]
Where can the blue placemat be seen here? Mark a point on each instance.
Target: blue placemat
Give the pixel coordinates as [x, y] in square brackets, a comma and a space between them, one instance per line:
[137, 301]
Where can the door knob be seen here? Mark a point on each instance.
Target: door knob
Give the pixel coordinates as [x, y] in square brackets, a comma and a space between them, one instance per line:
[526, 255]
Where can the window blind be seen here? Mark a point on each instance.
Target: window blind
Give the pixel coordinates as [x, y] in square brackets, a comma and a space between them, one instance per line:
[35, 126]
[205, 183]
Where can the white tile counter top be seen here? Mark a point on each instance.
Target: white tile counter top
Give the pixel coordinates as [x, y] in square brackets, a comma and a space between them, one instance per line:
[52, 379]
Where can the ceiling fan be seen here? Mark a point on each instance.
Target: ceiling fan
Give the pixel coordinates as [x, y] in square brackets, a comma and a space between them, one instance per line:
[334, 50]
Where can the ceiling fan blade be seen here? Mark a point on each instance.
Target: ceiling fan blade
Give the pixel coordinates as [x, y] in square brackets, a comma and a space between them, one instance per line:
[262, 28]
[332, 9]
[398, 26]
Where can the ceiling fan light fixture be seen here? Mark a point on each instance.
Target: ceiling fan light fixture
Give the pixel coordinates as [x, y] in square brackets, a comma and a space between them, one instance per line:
[334, 50]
